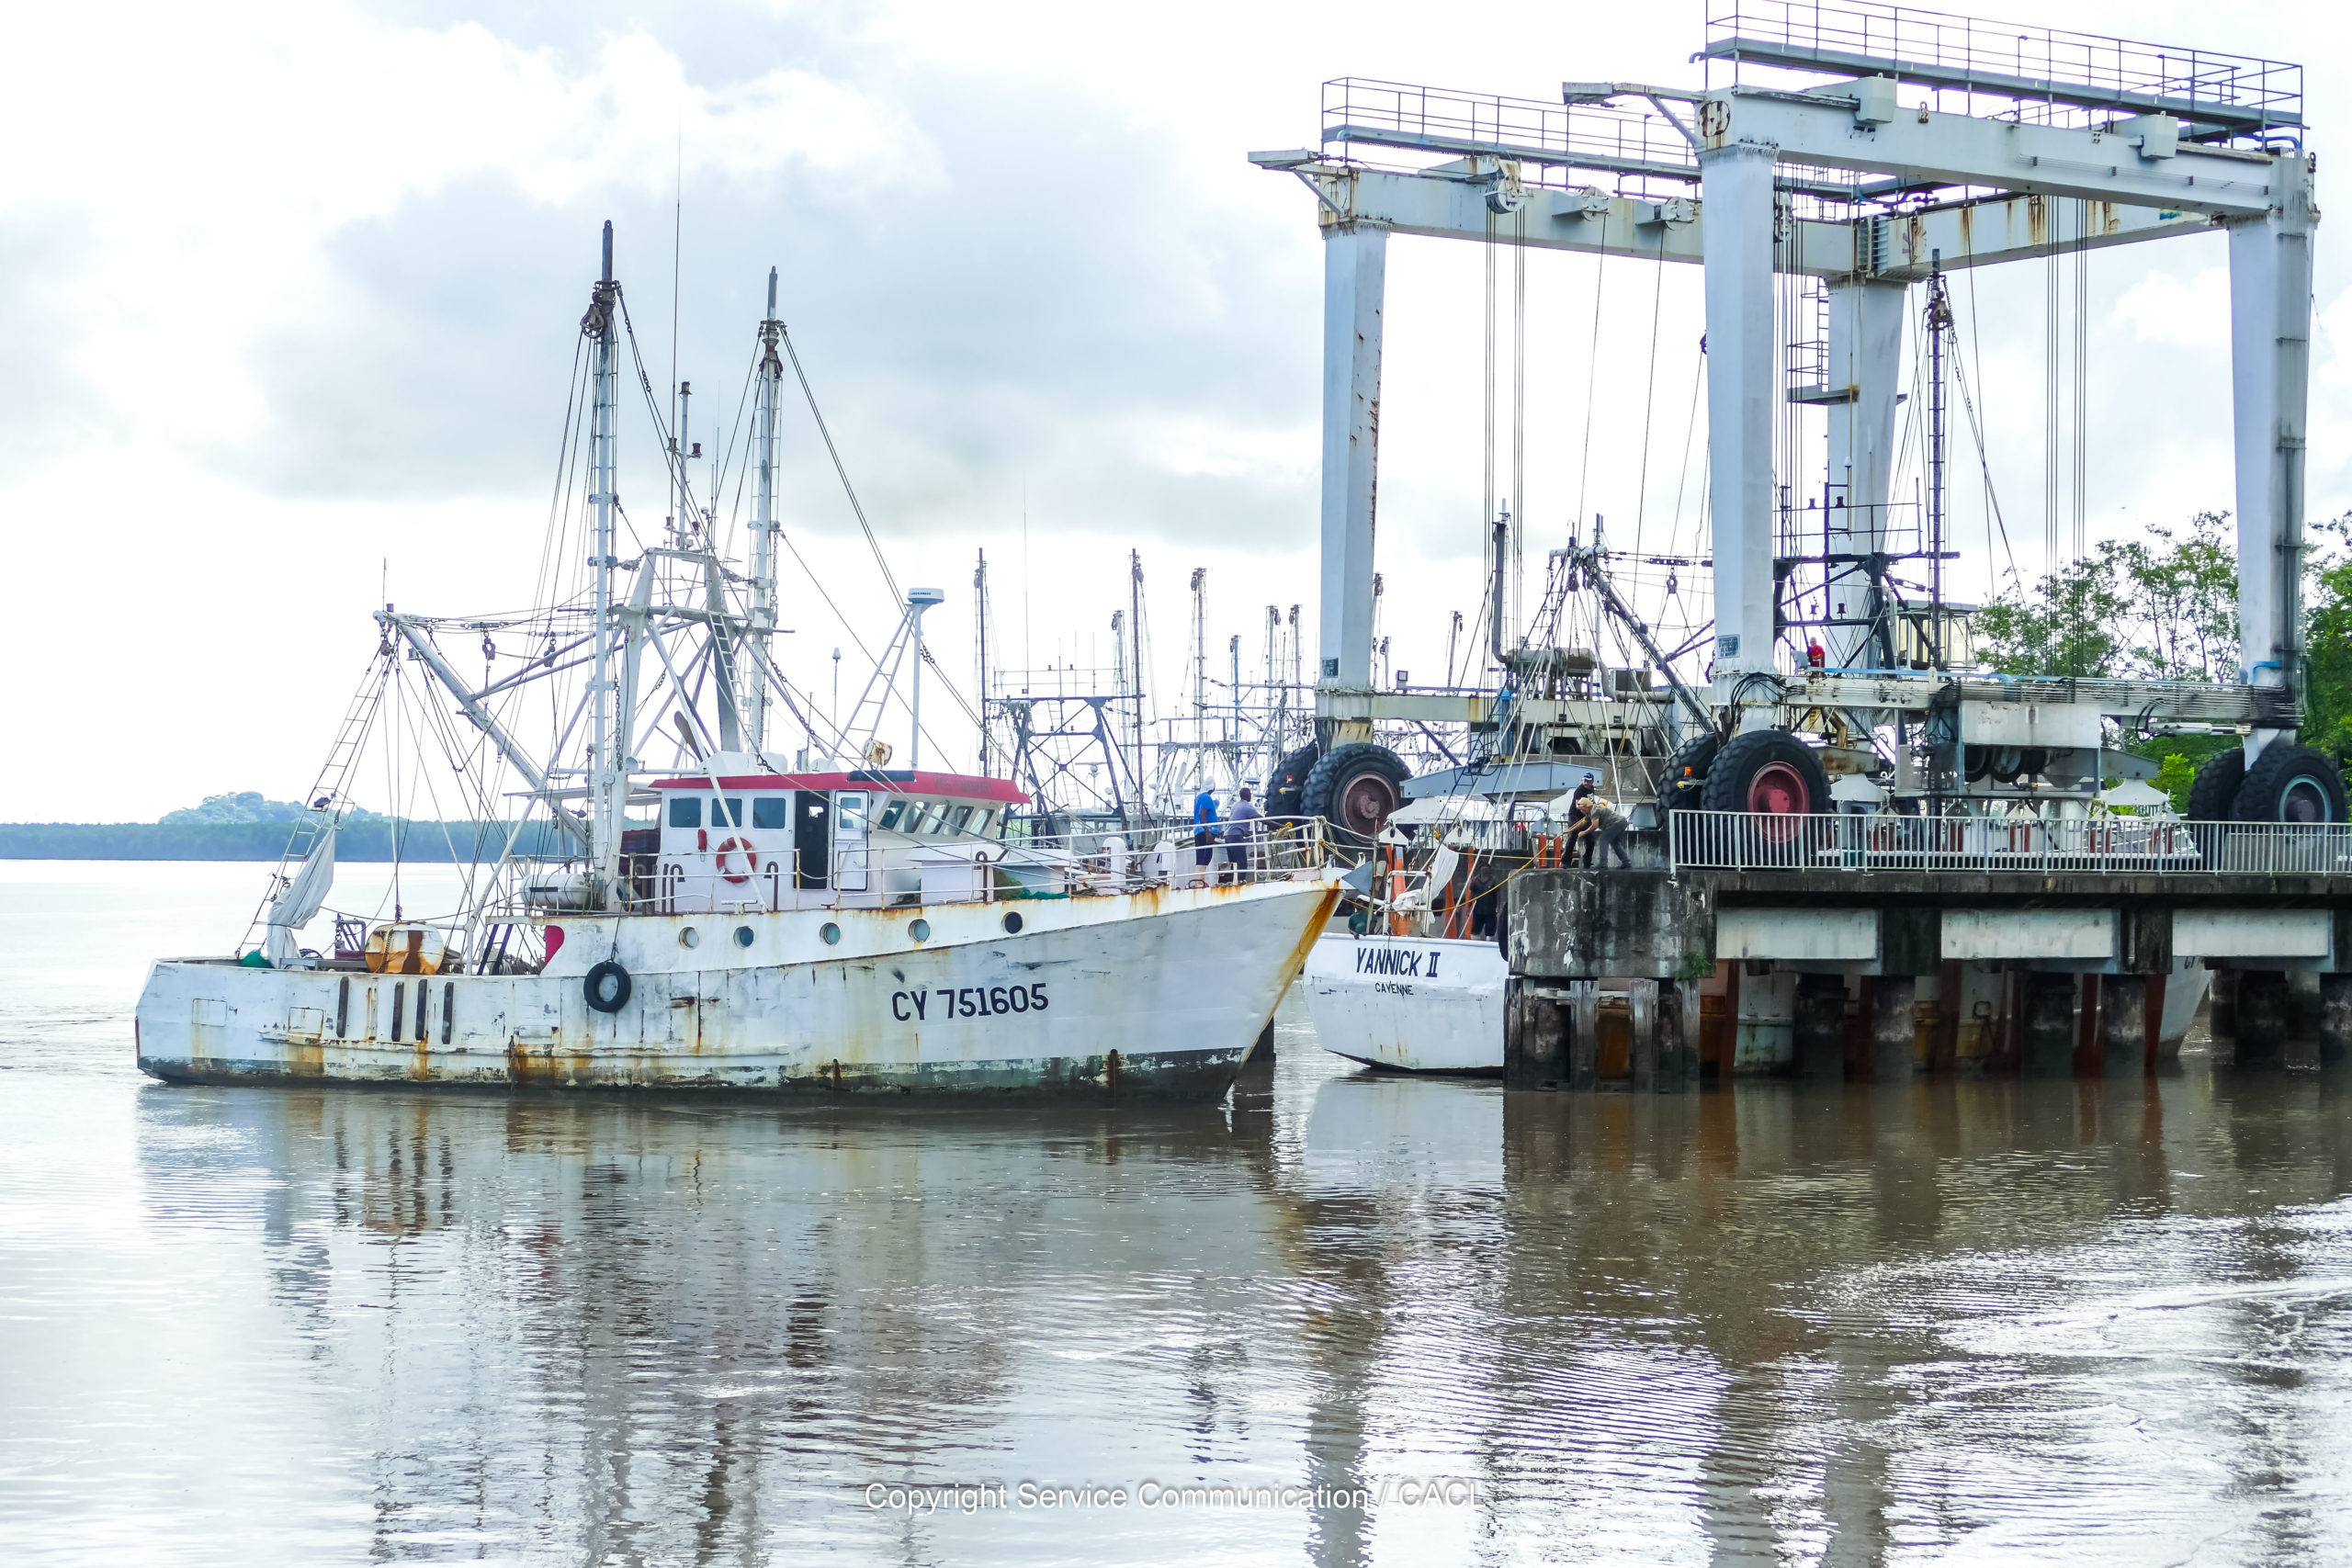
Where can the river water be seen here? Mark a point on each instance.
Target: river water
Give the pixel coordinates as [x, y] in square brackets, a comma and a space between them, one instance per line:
[1343, 1319]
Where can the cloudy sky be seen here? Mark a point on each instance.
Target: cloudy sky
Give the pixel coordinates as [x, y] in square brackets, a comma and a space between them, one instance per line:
[291, 293]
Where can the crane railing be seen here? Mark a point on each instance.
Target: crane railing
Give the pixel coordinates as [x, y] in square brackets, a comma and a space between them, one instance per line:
[2137, 846]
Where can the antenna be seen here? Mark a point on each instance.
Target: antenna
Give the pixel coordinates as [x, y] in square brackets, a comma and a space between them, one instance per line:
[608, 250]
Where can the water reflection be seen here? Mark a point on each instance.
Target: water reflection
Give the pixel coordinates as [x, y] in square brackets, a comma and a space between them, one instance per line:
[2067, 1322]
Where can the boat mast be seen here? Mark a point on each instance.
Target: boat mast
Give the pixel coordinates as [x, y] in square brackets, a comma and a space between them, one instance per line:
[606, 780]
[1939, 329]
[770, 382]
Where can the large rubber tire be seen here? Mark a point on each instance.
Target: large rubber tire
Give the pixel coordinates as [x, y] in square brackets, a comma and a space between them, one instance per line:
[1354, 789]
[1766, 769]
[2290, 784]
[1289, 781]
[1685, 775]
[608, 986]
[2214, 792]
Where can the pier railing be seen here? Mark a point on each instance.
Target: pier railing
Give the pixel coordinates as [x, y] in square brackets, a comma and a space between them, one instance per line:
[1756, 840]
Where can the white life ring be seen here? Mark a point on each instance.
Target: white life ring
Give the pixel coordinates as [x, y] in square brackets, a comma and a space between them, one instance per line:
[728, 847]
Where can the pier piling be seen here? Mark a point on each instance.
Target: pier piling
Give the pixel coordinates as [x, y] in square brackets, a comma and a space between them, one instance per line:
[2334, 1021]
[1891, 1028]
[2123, 1025]
[1584, 1036]
[2263, 1017]
[2049, 1034]
[1819, 1026]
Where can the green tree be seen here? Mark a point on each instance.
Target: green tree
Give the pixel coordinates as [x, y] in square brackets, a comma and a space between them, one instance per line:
[2067, 626]
[2173, 775]
[2327, 637]
[2182, 598]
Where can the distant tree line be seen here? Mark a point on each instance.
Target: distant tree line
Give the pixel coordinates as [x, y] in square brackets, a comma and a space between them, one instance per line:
[365, 839]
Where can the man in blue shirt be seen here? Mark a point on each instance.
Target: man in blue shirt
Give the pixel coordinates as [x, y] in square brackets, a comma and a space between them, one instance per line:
[1205, 832]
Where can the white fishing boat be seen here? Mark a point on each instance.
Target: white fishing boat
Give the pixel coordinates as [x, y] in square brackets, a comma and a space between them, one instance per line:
[1416, 1004]
[1406, 986]
[821, 926]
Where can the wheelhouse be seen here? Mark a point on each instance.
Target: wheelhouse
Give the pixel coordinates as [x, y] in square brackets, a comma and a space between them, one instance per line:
[798, 840]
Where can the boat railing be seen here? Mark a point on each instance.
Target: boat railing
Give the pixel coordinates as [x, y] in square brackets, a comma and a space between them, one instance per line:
[2136, 846]
[886, 872]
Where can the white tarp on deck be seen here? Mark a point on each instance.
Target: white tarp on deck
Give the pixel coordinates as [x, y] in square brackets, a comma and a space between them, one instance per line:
[305, 894]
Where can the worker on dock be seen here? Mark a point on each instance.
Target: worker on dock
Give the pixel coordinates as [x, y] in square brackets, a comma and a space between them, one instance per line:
[1580, 847]
[1602, 827]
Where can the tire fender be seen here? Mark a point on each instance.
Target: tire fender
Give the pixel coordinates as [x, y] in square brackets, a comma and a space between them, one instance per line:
[608, 986]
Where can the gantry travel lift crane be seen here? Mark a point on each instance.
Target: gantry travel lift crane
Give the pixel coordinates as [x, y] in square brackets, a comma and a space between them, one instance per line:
[1867, 147]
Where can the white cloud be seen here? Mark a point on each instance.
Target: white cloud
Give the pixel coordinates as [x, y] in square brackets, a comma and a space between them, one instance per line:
[2186, 313]
[290, 288]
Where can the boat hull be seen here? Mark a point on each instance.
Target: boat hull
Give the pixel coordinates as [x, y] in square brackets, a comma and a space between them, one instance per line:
[1157, 994]
[1415, 1005]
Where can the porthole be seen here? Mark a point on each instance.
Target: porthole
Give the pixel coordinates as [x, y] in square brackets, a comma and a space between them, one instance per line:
[1012, 922]
[919, 930]
[742, 936]
[690, 938]
[831, 933]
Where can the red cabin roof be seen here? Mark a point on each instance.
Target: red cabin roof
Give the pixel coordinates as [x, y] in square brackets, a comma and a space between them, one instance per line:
[882, 781]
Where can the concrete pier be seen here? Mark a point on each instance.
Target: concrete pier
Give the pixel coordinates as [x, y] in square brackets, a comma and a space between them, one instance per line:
[2221, 1008]
[2047, 974]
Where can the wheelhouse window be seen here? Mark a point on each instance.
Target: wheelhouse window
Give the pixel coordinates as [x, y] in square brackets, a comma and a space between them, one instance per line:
[726, 811]
[888, 821]
[772, 811]
[959, 816]
[686, 811]
[934, 812]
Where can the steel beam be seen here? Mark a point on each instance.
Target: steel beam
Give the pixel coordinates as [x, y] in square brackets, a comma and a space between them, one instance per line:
[1865, 365]
[1895, 248]
[1355, 265]
[1921, 148]
[1360, 706]
[1742, 393]
[2271, 325]
[412, 630]
[1905, 247]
